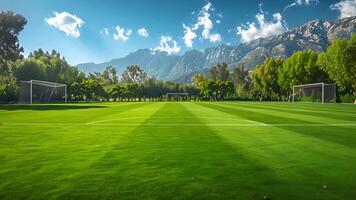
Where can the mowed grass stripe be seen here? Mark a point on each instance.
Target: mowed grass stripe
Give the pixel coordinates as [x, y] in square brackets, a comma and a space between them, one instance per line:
[264, 144]
[345, 134]
[161, 163]
[208, 159]
[42, 163]
[303, 173]
[333, 115]
[269, 115]
[64, 113]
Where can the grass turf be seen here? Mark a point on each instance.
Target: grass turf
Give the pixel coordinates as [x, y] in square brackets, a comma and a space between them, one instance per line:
[201, 150]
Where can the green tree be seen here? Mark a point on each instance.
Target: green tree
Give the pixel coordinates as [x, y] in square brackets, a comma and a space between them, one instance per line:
[241, 79]
[197, 79]
[109, 76]
[339, 61]
[10, 27]
[117, 92]
[76, 92]
[265, 79]
[300, 68]
[220, 71]
[134, 74]
[30, 69]
[92, 89]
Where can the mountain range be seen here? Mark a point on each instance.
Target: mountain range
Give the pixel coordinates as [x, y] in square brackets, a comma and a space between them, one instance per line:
[315, 35]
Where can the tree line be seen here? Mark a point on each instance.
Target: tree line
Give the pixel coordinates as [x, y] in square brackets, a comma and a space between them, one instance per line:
[273, 80]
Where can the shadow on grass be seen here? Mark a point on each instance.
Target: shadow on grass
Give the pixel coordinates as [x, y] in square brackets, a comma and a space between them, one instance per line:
[168, 162]
[335, 134]
[15, 107]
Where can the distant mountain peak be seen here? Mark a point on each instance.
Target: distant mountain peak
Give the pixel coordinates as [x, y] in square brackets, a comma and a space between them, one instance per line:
[315, 35]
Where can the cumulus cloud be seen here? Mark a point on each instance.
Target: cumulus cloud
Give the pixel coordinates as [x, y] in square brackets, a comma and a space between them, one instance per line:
[121, 34]
[189, 36]
[214, 38]
[168, 45]
[143, 32]
[301, 3]
[263, 28]
[67, 23]
[347, 8]
[205, 24]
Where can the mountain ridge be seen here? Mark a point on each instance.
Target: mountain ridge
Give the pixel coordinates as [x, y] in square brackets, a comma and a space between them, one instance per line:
[315, 35]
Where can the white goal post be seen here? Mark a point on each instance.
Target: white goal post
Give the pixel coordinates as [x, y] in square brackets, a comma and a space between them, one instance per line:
[176, 96]
[35, 91]
[315, 92]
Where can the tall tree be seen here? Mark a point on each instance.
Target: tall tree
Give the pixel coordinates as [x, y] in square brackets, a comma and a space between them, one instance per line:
[300, 68]
[339, 61]
[92, 89]
[220, 72]
[265, 78]
[10, 26]
[30, 69]
[242, 80]
[197, 79]
[134, 74]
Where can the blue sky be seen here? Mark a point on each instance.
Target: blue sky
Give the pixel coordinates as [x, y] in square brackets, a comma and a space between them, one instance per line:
[97, 30]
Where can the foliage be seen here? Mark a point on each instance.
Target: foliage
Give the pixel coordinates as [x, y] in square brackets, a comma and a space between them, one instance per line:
[92, 90]
[348, 98]
[220, 72]
[30, 69]
[242, 81]
[339, 61]
[134, 74]
[265, 78]
[10, 26]
[216, 89]
[300, 68]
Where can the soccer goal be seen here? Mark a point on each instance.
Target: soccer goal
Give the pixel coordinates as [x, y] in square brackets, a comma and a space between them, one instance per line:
[314, 92]
[35, 91]
[178, 96]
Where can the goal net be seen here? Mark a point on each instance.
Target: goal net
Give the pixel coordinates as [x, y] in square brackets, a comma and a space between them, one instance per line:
[315, 92]
[177, 96]
[35, 91]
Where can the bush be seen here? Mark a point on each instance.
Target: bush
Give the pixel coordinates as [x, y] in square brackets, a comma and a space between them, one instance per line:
[348, 98]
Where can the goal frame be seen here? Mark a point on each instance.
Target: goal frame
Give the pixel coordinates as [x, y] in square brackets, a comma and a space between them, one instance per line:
[48, 84]
[176, 94]
[322, 84]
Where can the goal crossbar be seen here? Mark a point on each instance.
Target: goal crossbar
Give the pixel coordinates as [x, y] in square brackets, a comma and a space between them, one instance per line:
[311, 85]
[46, 84]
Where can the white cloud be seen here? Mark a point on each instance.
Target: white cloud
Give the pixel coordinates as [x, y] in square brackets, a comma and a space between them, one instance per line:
[263, 29]
[66, 22]
[189, 36]
[204, 23]
[218, 21]
[214, 38]
[301, 3]
[143, 32]
[347, 8]
[164, 45]
[121, 35]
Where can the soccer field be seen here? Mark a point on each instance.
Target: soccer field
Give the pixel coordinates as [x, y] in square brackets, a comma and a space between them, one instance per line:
[178, 150]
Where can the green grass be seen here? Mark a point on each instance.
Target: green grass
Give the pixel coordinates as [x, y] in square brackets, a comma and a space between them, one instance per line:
[201, 150]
